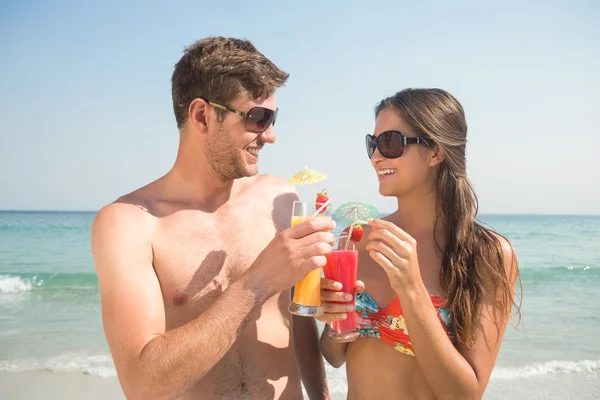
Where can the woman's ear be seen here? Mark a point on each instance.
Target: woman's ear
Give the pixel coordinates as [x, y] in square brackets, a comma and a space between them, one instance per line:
[437, 156]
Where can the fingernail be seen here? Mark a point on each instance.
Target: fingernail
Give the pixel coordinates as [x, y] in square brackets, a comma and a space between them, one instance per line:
[344, 316]
[338, 286]
[348, 297]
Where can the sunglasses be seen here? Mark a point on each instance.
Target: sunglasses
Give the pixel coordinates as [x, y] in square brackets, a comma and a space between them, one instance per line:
[391, 143]
[257, 119]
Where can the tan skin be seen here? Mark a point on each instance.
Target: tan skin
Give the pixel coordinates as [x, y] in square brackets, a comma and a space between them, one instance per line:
[398, 258]
[195, 270]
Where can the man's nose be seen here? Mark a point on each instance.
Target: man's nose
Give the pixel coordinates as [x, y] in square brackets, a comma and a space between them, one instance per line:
[268, 136]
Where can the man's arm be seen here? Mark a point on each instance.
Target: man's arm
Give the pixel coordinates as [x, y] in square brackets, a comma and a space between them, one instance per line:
[305, 332]
[312, 367]
[152, 363]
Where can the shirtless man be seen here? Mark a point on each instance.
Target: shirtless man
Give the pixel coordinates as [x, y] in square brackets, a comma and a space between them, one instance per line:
[195, 268]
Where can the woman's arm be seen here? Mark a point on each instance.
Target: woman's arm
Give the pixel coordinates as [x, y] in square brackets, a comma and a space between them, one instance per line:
[451, 373]
[334, 352]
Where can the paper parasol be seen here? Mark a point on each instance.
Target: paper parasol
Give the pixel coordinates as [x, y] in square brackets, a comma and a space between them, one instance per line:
[349, 213]
[306, 176]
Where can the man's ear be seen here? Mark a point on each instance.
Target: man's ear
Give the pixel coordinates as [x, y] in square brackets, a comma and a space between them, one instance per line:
[197, 115]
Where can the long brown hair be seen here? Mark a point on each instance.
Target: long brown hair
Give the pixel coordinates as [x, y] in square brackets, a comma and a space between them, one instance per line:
[472, 261]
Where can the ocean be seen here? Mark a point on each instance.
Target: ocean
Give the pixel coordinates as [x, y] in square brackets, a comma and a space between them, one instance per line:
[50, 311]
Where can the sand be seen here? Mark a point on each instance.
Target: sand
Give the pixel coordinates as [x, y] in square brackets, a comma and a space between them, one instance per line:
[52, 385]
[77, 386]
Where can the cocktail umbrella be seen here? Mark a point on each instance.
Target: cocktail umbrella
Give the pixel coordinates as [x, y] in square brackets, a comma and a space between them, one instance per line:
[354, 212]
[306, 176]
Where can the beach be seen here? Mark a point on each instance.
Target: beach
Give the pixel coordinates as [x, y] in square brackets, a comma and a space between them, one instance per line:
[52, 345]
[49, 385]
[73, 385]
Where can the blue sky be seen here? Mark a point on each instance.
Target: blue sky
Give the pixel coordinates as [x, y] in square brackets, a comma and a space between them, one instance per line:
[86, 114]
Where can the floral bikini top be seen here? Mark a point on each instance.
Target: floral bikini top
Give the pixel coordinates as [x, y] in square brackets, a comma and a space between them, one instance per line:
[388, 323]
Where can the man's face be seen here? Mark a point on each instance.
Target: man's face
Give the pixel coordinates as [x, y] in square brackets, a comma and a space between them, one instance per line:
[231, 150]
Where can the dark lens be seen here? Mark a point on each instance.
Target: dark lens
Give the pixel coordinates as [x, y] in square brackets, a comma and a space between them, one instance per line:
[259, 119]
[390, 144]
[370, 142]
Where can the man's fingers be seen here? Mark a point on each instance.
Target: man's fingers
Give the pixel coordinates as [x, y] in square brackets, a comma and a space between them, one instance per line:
[311, 225]
[316, 249]
[317, 237]
[314, 263]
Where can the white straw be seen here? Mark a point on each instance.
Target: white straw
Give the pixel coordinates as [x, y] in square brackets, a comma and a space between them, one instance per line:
[350, 232]
[349, 236]
[324, 206]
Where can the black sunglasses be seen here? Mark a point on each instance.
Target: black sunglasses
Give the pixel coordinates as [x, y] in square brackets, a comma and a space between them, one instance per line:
[257, 119]
[391, 143]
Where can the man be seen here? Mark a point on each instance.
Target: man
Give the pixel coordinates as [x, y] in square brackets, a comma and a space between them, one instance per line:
[195, 268]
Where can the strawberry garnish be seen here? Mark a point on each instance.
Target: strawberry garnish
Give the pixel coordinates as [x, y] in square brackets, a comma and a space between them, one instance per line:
[357, 232]
[321, 199]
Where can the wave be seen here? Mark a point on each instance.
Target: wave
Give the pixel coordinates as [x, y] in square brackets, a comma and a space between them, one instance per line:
[583, 367]
[99, 365]
[89, 279]
[14, 284]
[102, 365]
[28, 282]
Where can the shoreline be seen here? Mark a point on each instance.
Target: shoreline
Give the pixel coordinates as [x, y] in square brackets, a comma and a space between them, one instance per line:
[35, 385]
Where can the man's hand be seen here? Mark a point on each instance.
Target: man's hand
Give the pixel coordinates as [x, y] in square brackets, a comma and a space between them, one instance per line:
[292, 254]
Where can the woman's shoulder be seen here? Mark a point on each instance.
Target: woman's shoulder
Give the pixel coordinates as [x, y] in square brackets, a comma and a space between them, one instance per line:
[506, 249]
[507, 253]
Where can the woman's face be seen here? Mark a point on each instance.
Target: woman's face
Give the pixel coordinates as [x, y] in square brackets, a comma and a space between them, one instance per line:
[412, 171]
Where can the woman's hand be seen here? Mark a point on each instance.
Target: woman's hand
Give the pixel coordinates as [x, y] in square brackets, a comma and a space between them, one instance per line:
[330, 293]
[396, 252]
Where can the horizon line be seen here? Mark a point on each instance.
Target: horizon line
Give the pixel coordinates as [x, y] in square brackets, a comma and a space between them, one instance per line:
[383, 212]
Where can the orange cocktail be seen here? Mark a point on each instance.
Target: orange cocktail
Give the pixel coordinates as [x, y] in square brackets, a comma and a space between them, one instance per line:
[307, 292]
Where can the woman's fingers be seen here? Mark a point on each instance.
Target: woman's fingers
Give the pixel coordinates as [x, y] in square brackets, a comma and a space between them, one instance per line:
[330, 284]
[329, 295]
[334, 308]
[360, 286]
[329, 318]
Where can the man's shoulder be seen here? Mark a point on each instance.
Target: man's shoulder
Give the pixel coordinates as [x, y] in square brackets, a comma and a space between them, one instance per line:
[272, 184]
[278, 193]
[127, 213]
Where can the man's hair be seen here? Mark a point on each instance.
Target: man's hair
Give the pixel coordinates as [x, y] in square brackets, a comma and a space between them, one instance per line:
[219, 69]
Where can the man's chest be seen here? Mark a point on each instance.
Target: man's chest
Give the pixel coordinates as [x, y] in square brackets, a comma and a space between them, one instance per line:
[197, 259]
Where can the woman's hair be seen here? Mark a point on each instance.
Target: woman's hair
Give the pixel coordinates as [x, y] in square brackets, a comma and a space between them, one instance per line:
[472, 261]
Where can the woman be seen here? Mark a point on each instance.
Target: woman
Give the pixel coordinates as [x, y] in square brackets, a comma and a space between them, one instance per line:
[438, 286]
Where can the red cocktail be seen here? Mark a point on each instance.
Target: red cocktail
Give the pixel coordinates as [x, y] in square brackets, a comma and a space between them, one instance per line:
[341, 267]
